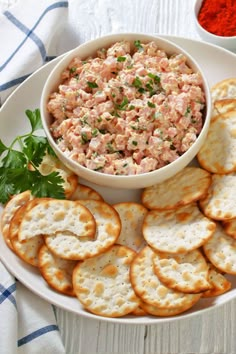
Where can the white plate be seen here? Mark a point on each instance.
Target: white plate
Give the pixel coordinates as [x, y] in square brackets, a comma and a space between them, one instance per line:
[217, 63]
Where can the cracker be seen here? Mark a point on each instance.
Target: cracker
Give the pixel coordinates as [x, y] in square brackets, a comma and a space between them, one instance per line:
[219, 283]
[10, 208]
[56, 271]
[220, 249]
[69, 246]
[102, 283]
[224, 105]
[28, 250]
[132, 216]
[218, 153]
[219, 203]
[230, 227]
[166, 312]
[150, 289]
[187, 186]
[85, 192]
[187, 272]
[177, 231]
[224, 89]
[49, 216]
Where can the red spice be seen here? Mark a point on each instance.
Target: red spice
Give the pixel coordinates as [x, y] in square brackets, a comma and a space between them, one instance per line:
[218, 17]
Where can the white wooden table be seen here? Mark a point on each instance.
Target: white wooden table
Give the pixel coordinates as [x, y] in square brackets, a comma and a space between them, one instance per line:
[213, 332]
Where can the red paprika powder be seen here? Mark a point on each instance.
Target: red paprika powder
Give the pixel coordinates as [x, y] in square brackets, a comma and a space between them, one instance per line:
[218, 17]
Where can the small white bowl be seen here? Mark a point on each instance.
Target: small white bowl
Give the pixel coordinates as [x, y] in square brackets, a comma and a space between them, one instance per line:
[225, 42]
[114, 181]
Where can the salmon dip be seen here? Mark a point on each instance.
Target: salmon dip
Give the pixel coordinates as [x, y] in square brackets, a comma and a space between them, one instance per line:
[128, 110]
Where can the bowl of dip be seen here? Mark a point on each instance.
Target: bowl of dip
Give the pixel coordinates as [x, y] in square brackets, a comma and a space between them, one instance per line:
[126, 110]
[215, 21]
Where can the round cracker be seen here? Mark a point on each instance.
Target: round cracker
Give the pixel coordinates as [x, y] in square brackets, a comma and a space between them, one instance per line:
[219, 283]
[102, 283]
[187, 186]
[166, 312]
[8, 212]
[28, 250]
[219, 202]
[187, 272]
[218, 153]
[49, 216]
[150, 289]
[223, 106]
[230, 227]
[220, 249]
[177, 231]
[85, 192]
[224, 89]
[108, 226]
[56, 271]
[132, 216]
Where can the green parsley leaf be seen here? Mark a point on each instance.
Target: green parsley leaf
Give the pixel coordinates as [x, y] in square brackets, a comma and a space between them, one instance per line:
[35, 119]
[72, 70]
[151, 105]
[45, 185]
[138, 45]
[15, 176]
[14, 159]
[123, 104]
[84, 138]
[35, 148]
[6, 186]
[156, 78]
[92, 84]
[137, 82]
[120, 59]
[2, 147]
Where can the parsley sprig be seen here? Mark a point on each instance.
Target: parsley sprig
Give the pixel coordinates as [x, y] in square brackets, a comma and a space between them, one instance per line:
[15, 175]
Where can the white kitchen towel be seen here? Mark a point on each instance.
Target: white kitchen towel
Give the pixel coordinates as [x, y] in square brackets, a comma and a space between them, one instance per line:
[30, 34]
[27, 322]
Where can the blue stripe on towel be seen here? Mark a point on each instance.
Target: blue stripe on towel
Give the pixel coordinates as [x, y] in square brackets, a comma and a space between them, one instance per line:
[6, 294]
[37, 334]
[29, 32]
[14, 82]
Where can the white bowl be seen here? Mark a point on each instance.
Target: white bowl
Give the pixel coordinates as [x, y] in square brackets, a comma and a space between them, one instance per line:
[225, 42]
[130, 181]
